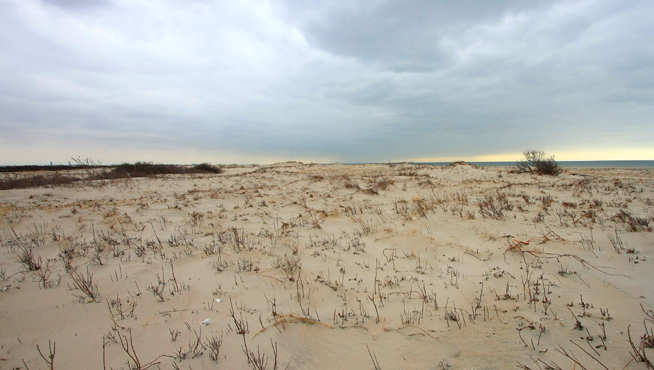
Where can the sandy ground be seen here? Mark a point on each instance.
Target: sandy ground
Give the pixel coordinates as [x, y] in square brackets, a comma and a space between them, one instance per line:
[335, 266]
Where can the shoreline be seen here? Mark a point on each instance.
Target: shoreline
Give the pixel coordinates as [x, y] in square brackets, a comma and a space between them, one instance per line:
[629, 164]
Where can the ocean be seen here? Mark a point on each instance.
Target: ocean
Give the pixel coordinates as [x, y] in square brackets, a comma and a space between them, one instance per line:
[593, 164]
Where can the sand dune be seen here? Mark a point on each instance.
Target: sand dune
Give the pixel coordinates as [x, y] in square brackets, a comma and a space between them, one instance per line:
[335, 266]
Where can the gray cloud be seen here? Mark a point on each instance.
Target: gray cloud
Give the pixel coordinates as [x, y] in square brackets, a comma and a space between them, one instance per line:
[349, 81]
[399, 35]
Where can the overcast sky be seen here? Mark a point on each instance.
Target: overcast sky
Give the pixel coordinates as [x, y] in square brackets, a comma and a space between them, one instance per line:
[324, 80]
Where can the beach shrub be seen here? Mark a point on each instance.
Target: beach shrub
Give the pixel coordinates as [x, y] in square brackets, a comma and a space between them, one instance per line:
[15, 181]
[536, 161]
[143, 169]
[206, 167]
[147, 169]
[18, 180]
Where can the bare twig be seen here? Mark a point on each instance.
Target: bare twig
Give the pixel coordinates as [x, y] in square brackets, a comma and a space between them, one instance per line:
[50, 360]
[373, 357]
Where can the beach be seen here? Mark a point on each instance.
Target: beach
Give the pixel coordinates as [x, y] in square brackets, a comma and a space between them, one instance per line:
[323, 266]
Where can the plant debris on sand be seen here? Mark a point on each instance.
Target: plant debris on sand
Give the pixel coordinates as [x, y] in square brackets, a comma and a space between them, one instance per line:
[297, 265]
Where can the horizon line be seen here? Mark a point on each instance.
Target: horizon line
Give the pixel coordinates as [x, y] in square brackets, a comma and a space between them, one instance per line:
[421, 161]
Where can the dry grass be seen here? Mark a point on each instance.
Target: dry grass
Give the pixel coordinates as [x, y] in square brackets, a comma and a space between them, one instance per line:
[367, 249]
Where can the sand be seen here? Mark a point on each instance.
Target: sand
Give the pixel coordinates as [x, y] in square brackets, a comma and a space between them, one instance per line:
[336, 266]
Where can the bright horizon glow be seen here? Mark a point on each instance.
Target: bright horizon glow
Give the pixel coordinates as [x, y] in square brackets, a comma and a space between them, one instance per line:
[16, 155]
[19, 155]
[635, 154]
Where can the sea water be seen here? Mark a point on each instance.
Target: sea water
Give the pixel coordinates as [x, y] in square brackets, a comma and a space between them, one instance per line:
[595, 164]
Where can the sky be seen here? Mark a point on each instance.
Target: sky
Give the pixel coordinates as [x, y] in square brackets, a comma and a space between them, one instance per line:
[250, 81]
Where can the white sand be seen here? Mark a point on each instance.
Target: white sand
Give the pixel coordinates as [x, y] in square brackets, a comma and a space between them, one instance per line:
[421, 226]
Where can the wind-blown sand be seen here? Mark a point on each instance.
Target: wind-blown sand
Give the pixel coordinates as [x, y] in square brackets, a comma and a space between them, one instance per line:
[339, 266]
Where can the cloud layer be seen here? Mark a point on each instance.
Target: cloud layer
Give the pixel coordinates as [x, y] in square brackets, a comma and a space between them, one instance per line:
[350, 81]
